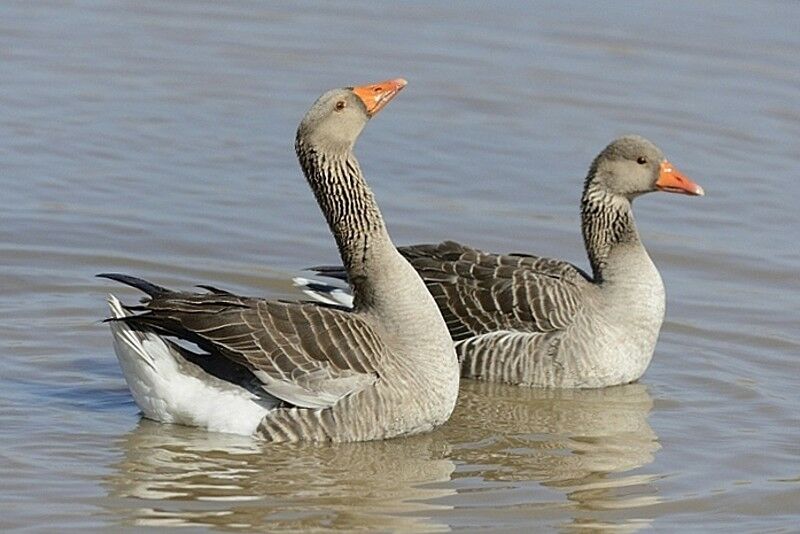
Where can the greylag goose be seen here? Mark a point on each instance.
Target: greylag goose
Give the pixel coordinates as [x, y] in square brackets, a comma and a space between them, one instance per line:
[542, 322]
[301, 371]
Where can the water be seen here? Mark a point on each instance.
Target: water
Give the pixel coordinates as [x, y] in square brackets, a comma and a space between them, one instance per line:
[156, 139]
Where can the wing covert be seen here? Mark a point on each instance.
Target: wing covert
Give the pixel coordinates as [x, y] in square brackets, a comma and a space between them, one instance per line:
[479, 293]
[306, 355]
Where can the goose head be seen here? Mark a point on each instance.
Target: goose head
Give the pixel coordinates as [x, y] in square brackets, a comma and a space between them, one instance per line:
[336, 119]
[631, 166]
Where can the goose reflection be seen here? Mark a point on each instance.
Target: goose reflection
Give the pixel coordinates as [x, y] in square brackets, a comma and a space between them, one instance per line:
[568, 455]
[581, 443]
[177, 476]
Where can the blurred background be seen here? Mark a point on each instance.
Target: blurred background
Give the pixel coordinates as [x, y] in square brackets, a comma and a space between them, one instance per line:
[156, 139]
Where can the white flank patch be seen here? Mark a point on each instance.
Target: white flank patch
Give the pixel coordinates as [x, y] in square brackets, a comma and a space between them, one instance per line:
[162, 389]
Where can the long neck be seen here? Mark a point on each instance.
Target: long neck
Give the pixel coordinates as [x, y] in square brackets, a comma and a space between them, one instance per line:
[350, 209]
[607, 223]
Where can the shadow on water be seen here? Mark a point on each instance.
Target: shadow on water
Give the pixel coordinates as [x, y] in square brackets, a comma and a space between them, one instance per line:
[566, 454]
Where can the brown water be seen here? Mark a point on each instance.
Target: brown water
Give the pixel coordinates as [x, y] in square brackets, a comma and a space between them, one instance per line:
[156, 138]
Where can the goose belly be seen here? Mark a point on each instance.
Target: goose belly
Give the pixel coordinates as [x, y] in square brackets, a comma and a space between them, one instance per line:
[614, 341]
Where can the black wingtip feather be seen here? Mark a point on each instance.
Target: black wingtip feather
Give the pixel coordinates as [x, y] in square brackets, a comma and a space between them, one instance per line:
[142, 285]
[214, 290]
[336, 272]
[321, 288]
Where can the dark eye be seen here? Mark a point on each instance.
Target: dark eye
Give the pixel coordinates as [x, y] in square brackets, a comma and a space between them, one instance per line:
[340, 105]
[642, 160]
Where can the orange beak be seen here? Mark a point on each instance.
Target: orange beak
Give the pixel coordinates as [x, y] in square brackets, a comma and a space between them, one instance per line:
[672, 180]
[376, 95]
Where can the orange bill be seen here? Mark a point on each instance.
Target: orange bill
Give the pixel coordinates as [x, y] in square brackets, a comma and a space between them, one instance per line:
[672, 180]
[376, 95]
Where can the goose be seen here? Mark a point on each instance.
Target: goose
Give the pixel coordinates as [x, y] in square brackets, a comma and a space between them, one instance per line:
[540, 322]
[292, 371]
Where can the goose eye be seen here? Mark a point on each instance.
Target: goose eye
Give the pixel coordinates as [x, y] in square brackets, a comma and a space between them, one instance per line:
[340, 105]
[642, 160]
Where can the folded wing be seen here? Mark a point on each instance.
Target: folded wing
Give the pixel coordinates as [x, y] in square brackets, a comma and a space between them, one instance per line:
[479, 293]
[304, 354]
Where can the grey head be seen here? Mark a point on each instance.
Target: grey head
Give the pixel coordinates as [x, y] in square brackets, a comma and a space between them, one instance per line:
[631, 166]
[336, 119]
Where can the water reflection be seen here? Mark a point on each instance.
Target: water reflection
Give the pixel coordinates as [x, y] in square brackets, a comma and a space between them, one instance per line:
[174, 476]
[549, 445]
[582, 444]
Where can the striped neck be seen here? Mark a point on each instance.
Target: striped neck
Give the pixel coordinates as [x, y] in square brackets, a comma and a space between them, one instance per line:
[607, 222]
[348, 204]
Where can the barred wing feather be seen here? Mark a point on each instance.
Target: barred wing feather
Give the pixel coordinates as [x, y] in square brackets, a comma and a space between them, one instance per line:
[479, 293]
[306, 355]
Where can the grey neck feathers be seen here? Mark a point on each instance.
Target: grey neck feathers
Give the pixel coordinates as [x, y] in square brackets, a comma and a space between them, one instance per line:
[348, 204]
[607, 222]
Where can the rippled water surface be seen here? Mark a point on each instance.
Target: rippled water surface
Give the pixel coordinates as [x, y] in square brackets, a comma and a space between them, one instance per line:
[156, 138]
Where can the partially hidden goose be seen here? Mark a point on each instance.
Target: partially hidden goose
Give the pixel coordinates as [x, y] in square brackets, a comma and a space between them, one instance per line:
[301, 371]
[542, 322]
